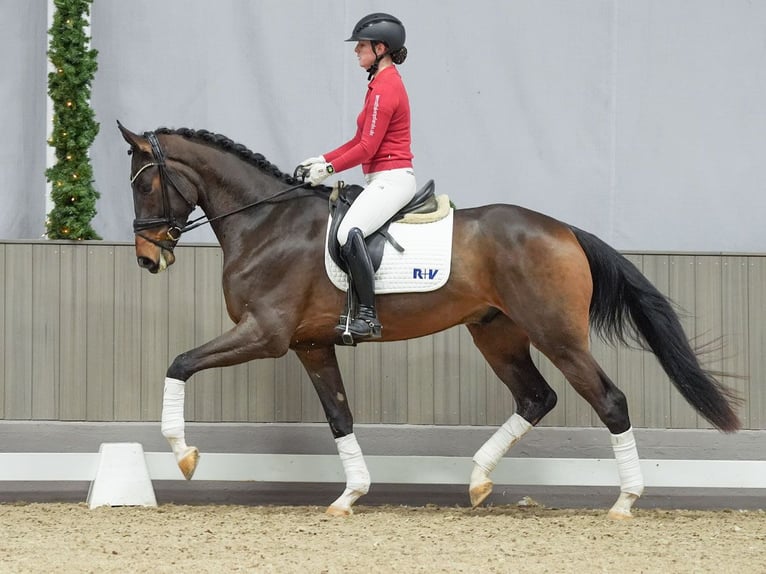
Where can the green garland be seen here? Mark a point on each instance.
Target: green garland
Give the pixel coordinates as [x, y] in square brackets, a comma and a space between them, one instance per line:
[74, 124]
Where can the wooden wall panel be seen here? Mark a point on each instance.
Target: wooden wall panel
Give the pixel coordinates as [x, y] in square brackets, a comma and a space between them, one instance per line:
[87, 335]
[18, 333]
[393, 391]
[262, 399]
[365, 384]
[420, 373]
[128, 340]
[756, 282]
[155, 338]
[46, 302]
[4, 325]
[100, 350]
[289, 381]
[446, 368]
[73, 333]
[472, 378]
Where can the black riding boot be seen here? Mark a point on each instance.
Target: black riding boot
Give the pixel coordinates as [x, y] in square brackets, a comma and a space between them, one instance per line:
[365, 324]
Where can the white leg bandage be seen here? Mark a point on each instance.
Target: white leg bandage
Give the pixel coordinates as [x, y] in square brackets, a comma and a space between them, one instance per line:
[357, 475]
[499, 443]
[173, 415]
[628, 467]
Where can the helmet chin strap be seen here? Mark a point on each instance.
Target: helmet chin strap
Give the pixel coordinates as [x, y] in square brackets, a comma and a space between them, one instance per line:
[372, 70]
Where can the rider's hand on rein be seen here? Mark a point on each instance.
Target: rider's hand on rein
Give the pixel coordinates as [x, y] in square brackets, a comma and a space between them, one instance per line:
[311, 161]
[319, 172]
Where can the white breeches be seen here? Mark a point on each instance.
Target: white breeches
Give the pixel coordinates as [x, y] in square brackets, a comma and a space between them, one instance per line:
[386, 193]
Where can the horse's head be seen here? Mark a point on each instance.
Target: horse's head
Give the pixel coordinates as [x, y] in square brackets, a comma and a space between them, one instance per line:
[164, 194]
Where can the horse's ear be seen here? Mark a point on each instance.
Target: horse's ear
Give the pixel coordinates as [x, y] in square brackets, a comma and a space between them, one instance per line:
[136, 141]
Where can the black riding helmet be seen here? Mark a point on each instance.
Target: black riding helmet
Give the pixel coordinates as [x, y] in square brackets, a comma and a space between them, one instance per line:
[383, 28]
[380, 27]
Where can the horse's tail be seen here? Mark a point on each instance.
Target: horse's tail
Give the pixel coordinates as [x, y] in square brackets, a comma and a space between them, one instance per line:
[625, 305]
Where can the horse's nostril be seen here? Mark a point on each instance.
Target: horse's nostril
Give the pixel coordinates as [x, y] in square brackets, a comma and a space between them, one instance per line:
[145, 262]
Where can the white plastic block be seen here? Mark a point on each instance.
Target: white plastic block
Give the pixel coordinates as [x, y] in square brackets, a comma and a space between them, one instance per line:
[122, 477]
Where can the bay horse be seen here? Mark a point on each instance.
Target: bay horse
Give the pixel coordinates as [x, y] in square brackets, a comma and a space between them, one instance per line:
[518, 278]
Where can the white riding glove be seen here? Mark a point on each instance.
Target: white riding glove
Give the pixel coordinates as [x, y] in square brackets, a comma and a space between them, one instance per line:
[319, 172]
[312, 160]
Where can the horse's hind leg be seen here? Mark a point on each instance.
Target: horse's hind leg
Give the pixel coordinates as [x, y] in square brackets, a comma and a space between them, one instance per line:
[589, 380]
[322, 367]
[506, 348]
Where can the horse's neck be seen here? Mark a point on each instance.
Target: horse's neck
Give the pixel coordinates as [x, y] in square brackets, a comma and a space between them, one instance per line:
[233, 184]
[242, 210]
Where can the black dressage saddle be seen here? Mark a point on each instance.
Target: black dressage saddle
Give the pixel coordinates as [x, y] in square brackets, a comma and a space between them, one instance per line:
[423, 202]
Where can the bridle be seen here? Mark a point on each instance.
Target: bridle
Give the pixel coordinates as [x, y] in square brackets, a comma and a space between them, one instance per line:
[175, 227]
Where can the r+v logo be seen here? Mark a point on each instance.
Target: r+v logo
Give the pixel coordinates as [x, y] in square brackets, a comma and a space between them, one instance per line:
[424, 273]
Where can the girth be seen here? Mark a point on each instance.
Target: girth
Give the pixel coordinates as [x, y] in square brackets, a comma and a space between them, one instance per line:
[424, 201]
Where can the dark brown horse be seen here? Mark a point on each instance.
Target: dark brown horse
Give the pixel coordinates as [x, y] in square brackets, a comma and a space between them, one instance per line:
[517, 278]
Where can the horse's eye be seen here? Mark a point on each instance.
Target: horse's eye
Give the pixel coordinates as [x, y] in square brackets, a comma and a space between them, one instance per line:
[130, 151]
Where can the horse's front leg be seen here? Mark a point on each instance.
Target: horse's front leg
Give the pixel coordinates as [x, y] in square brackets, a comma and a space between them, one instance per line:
[244, 342]
[322, 367]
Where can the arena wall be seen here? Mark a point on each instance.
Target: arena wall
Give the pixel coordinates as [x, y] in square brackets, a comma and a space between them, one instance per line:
[87, 336]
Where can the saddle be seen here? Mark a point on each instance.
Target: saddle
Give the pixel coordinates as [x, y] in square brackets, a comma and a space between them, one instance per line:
[340, 201]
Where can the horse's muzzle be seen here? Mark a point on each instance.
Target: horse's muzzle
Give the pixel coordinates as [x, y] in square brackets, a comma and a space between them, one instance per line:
[151, 256]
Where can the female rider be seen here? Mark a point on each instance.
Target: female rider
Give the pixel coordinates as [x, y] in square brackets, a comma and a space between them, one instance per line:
[382, 145]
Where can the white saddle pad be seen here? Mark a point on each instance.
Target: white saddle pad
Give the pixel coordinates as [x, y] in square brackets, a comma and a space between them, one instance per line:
[423, 266]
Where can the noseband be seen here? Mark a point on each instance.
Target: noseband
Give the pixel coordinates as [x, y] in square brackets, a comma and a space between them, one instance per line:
[175, 227]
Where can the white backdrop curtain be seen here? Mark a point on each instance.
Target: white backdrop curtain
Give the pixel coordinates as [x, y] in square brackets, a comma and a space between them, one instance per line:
[643, 122]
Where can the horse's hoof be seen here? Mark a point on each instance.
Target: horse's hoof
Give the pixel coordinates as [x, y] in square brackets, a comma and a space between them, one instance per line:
[480, 492]
[188, 462]
[338, 511]
[621, 509]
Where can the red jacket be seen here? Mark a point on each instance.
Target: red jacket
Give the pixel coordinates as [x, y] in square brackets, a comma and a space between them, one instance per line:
[382, 139]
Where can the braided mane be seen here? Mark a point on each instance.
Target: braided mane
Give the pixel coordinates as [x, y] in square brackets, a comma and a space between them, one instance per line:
[225, 144]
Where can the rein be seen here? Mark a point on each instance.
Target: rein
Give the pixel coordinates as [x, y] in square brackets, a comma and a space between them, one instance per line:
[203, 219]
[176, 229]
